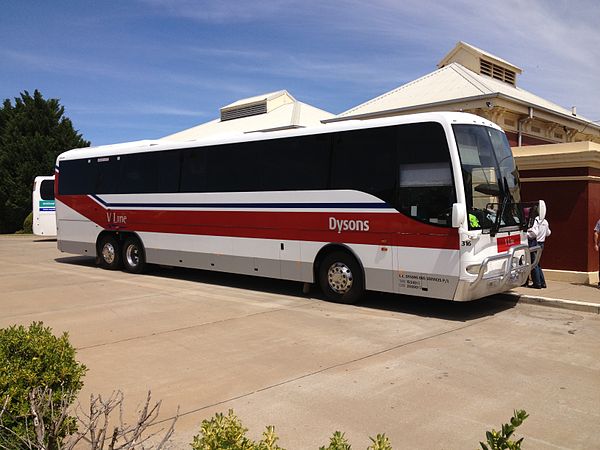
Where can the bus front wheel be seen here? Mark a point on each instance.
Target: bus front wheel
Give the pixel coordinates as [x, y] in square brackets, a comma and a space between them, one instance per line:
[134, 257]
[109, 253]
[341, 278]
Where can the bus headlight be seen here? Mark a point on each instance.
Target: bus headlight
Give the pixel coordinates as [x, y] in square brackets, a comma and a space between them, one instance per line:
[518, 262]
[474, 269]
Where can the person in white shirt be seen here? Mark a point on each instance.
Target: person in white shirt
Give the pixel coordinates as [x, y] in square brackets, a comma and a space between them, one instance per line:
[538, 232]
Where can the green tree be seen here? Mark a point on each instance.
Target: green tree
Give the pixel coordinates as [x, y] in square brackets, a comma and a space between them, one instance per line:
[33, 132]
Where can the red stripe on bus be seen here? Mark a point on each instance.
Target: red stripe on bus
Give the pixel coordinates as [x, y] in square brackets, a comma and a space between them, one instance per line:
[383, 228]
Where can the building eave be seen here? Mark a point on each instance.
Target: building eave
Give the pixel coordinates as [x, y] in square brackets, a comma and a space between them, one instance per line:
[405, 109]
[415, 108]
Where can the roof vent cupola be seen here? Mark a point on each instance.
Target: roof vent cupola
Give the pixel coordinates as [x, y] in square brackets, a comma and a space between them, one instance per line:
[482, 62]
[254, 106]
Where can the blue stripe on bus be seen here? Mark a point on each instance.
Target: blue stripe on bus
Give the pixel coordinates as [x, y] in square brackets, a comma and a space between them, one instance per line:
[370, 205]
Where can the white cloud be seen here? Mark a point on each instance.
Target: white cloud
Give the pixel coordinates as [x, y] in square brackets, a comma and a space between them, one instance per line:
[137, 109]
[224, 11]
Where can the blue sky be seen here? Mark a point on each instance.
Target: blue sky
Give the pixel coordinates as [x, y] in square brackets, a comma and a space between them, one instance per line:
[140, 69]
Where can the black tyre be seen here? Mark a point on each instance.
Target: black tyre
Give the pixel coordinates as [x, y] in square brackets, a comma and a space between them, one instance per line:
[134, 256]
[341, 278]
[109, 253]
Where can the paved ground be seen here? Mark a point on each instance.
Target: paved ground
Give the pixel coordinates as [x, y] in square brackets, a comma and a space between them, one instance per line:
[574, 296]
[431, 375]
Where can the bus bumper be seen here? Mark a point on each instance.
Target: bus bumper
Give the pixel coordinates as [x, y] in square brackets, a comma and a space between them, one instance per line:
[517, 263]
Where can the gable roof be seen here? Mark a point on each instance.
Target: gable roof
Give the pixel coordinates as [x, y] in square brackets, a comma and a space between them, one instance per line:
[281, 111]
[450, 85]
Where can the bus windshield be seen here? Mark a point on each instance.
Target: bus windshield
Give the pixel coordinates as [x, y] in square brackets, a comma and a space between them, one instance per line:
[490, 177]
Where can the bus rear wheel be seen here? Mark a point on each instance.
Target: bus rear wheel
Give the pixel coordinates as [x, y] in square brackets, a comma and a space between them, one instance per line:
[109, 253]
[134, 257]
[341, 278]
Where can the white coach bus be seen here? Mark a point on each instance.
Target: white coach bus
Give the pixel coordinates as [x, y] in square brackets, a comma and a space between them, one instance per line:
[425, 205]
[43, 206]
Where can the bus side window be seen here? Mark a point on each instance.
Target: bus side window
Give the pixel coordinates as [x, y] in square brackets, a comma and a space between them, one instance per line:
[300, 163]
[109, 171]
[426, 187]
[77, 176]
[193, 170]
[365, 160]
[150, 172]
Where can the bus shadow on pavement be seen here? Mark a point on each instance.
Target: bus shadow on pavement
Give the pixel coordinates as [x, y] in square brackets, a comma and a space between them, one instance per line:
[77, 260]
[427, 307]
[418, 306]
[439, 309]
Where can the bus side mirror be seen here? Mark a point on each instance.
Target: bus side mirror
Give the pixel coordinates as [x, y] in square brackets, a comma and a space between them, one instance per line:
[459, 215]
[542, 209]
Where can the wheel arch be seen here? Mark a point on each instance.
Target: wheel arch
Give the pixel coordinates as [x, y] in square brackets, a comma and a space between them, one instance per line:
[333, 247]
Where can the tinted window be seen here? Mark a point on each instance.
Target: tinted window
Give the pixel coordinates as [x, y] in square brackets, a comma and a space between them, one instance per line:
[77, 176]
[149, 172]
[365, 160]
[47, 190]
[272, 165]
[295, 163]
[426, 188]
[108, 172]
[193, 170]
[234, 168]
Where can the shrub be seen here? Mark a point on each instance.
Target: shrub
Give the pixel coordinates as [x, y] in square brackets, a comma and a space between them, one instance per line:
[28, 224]
[227, 433]
[31, 359]
[380, 442]
[337, 442]
[500, 440]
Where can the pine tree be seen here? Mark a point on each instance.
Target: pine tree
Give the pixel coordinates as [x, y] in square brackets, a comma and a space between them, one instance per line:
[33, 132]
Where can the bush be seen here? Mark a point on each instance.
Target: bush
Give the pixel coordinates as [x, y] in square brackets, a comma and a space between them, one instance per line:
[337, 442]
[28, 224]
[30, 359]
[380, 442]
[500, 440]
[227, 433]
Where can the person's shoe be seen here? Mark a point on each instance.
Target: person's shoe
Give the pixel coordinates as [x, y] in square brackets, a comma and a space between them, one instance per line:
[544, 286]
[535, 286]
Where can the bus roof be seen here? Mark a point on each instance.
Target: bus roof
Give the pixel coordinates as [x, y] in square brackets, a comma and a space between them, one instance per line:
[157, 145]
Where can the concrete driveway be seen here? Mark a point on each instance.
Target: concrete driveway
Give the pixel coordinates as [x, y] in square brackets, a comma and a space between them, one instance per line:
[430, 374]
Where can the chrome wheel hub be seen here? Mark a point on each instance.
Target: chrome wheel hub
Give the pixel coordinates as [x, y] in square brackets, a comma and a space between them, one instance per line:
[132, 255]
[108, 253]
[340, 278]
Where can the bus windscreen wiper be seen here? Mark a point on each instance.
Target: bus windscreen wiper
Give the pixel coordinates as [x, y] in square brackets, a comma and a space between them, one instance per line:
[505, 201]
